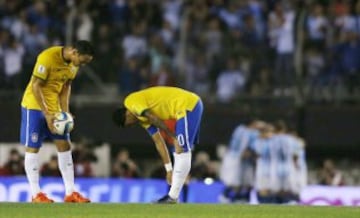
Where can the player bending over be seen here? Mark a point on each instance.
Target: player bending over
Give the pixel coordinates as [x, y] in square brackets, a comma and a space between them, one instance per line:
[150, 107]
[48, 92]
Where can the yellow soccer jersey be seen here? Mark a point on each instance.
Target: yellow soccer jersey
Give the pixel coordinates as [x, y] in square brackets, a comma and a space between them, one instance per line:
[165, 102]
[51, 67]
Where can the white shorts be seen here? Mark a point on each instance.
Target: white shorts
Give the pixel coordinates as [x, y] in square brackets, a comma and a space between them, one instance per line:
[230, 170]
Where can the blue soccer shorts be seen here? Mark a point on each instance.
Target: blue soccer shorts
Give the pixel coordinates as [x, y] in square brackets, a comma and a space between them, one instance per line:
[187, 129]
[34, 129]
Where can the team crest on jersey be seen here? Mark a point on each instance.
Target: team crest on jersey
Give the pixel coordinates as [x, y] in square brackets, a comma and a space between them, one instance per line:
[34, 137]
[41, 69]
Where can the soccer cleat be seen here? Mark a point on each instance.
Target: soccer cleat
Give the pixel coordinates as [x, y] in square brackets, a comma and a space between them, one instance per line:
[41, 198]
[166, 200]
[75, 197]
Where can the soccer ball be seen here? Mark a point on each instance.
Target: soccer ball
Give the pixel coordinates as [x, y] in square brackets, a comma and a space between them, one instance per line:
[63, 123]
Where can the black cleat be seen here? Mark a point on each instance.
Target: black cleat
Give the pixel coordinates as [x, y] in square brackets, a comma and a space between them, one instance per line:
[166, 200]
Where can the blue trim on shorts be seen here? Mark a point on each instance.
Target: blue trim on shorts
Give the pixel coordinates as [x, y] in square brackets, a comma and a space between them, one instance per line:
[34, 130]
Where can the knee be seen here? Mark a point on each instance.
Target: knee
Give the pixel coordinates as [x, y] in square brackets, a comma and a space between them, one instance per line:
[31, 150]
[62, 146]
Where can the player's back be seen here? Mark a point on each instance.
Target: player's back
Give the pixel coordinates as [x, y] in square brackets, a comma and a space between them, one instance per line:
[51, 67]
[165, 101]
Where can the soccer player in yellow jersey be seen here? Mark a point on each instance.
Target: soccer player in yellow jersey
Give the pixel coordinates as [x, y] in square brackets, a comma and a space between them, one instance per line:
[48, 92]
[150, 108]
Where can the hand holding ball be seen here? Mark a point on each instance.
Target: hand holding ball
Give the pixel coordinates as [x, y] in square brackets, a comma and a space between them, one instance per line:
[63, 123]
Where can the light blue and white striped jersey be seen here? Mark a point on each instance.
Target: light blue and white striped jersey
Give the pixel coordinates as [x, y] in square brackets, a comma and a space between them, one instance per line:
[300, 152]
[263, 149]
[285, 149]
[242, 138]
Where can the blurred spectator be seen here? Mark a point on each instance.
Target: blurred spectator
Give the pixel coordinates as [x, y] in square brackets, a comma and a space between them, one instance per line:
[230, 82]
[171, 12]
[249, 36]
[16, 24]
[51, 168]
[135, 44]
[106, 55]
[37, 14]
[130, 79]
[13, 58]
[34, 42]
[167, 34]
[330, 175]
[202, 167]
[123, 166]
[348, 54]
[164, 77]
[85, 25]
[15, 164]
[83, 158]
[314, 65]
[261, 83]
[344, 21]
[198, 15]
[197, 75]
[158, 54]
[281, 30]
[158, 171]
[213, 37]
[316, 27]
[230, 16]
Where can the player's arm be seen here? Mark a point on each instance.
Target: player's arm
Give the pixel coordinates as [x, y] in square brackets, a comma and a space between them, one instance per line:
[154, 120]
[37, 85]
[164, 154]
[64, 96]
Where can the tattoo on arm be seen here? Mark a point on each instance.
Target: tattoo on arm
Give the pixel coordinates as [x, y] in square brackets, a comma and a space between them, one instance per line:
[153, 119]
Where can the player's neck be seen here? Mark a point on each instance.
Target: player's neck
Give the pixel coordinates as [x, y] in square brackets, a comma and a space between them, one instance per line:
[65, 55]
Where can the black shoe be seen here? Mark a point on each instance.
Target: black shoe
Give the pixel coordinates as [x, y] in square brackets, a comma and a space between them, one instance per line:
[166, 200]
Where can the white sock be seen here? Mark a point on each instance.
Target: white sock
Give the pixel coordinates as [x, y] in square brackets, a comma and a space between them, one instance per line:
[31, 163]
[182, 165]
[66, 167]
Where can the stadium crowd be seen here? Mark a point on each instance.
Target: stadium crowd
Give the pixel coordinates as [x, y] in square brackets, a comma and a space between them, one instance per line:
[217, 48]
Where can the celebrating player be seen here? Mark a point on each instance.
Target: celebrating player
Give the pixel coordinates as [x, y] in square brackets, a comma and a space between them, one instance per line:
[150, 108]
[48, 92]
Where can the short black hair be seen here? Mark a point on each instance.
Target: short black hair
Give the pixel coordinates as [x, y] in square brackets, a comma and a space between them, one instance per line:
[84, 47]
[119, 116]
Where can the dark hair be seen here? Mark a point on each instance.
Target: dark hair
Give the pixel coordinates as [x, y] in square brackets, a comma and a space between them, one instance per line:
[280, 125]
[118, 116]
[84, 47]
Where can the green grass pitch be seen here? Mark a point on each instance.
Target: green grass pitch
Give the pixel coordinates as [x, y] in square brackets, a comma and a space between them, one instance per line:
[60, 210]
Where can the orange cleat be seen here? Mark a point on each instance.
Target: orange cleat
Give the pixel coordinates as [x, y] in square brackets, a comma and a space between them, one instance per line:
[41, 198]
[75, 197]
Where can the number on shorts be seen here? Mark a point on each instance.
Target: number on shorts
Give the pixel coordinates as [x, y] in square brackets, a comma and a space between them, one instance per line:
[180, 139]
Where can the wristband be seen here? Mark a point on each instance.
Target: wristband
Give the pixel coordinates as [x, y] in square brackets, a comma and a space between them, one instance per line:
[168, 167]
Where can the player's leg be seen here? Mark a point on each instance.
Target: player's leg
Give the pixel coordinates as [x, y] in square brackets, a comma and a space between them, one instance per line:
[187, 132]
[66, 167]
[31, 135]
[263, 185]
